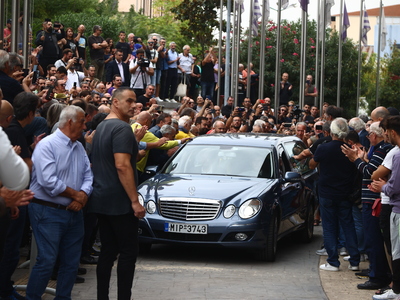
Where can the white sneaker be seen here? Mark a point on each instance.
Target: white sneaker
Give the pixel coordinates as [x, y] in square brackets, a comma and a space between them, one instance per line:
[389, 294]
[363, 257]
[158, 99]
[354, 268]
[343, 252]
[167, 100]
[328, 267]
[173, 101]
[321, 252]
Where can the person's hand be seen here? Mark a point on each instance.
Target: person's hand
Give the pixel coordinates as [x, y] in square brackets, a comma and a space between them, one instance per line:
[139, 210]
[18, 75]
[16, 198]
[140, 132]
[162, 141]
[89, 136]
[235, 112]
[108, 85]
[140, 155]
[14, 212]
[37, 139]
[75, 206]
[351, 153]
[376, 185]
[171, 151]
[28, 79]
[17, 149]
[185, 140]
[290, 87]
[153, 108]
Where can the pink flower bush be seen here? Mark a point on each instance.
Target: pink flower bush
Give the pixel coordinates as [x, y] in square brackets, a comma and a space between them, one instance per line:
[296, 41]
[295, 54]
[282, 60]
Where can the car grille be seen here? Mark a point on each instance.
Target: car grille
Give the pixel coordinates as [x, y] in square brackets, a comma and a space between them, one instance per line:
[189, 209]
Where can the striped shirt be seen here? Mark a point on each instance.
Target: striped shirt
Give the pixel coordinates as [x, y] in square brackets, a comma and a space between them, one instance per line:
[380, 151]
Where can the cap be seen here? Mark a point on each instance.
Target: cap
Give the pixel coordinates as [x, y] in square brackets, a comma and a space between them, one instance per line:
[393, 111]
[9, 21]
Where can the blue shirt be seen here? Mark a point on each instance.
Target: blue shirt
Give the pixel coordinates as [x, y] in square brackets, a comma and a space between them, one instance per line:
[59, 163]
[172, 56]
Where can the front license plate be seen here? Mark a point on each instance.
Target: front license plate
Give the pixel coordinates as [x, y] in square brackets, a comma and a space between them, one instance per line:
[185, 228]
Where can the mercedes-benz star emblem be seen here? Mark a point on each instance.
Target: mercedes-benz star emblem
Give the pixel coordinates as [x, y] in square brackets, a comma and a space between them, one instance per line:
[191, 189]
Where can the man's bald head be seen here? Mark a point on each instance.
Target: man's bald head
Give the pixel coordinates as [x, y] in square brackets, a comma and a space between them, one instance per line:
[144, 118]
[379, 113]
[6, 113]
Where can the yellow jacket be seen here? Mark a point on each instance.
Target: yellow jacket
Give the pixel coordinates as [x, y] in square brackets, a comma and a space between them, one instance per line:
[151, 138]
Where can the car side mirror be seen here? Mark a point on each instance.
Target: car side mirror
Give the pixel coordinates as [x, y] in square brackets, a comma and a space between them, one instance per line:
[151, 170]
[293, 177]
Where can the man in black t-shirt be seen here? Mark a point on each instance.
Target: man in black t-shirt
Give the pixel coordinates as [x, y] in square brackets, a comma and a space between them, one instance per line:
[115, 198]
[124, 47]
[97, 45]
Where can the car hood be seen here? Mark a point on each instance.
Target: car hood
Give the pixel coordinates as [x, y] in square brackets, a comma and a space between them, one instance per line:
[225, 188]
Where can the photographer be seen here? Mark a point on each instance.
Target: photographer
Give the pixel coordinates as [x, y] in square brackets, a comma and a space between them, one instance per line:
[141, 70]
[48, 39]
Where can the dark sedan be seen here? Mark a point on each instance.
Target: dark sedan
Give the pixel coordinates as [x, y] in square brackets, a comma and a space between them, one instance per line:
[232, 190]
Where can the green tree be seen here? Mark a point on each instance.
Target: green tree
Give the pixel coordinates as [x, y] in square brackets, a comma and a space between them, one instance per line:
[390, 83]
[198, 20]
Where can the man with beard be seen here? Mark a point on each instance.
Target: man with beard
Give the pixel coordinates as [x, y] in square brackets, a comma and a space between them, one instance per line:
[48, 39]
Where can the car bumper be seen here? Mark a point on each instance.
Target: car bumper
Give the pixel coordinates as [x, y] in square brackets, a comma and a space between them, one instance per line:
[219, 232]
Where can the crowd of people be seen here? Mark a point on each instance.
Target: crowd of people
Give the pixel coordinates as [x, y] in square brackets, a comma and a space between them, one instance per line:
[84, 135]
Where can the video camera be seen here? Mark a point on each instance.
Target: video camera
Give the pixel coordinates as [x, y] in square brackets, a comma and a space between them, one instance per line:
[296, 111]
[143, 62]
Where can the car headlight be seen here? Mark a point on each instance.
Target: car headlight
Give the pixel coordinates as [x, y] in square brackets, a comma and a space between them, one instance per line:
[151, 207]
[229, 211]
[141, 200]
[249, 208]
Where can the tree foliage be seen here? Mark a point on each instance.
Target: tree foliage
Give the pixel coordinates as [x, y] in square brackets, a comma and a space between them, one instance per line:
[390, 83]
[199, 18]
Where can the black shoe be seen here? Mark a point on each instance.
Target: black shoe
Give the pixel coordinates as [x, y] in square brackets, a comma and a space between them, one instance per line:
[94, 253]
[82, 271]
[89, 260]
[363, 274]
[369, 285]
[79, 279]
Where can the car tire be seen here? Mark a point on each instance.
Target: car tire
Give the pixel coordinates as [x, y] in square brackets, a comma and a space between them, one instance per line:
[269, 252]
[306, 234]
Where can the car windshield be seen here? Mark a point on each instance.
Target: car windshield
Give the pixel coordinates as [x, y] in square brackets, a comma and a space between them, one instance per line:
[223, 160]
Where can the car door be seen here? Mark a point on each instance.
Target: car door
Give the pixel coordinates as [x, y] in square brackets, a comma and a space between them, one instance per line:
[291, 194]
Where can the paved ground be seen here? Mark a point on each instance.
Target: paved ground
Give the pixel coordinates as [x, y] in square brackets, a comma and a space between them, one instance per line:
[171, 272]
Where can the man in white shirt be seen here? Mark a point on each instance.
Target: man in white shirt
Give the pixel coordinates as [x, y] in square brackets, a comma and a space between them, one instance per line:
[140, 74]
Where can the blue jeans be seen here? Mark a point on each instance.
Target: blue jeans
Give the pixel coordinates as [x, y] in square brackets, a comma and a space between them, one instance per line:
[10, 259]
[378, 265]
[207, 90]
[57, 233]
[358, 223]
[333, 213]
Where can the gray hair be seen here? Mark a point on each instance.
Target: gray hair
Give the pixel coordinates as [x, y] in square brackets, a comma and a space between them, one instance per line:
[184, 120]
[357, 124]
[260, 123]
[375, 128]
[301, 123]
[172, 43]
[14, 60]
[167, 129]
[4, 57]
[339, 128]
[185, 47]
[53, 113]
[69, 113]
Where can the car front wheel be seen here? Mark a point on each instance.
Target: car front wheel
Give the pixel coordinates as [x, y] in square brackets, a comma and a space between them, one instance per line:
[269, 252]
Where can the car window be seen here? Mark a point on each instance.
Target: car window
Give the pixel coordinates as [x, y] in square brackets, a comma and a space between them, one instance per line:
[223, 160]
[294, 148]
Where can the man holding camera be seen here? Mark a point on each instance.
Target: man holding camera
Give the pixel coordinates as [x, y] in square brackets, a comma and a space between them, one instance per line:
[141, 70]
[48, 39]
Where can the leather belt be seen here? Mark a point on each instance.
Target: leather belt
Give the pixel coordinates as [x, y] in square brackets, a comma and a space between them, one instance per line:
[49, 204]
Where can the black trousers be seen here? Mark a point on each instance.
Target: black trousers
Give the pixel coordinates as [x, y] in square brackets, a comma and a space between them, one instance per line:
[119, 235]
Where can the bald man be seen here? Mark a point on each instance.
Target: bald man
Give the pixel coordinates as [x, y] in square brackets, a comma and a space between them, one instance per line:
[7, 113]
[379, 113]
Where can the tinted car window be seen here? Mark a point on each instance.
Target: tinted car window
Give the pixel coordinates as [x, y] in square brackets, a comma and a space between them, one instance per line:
[223, 160]
[294, 148]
